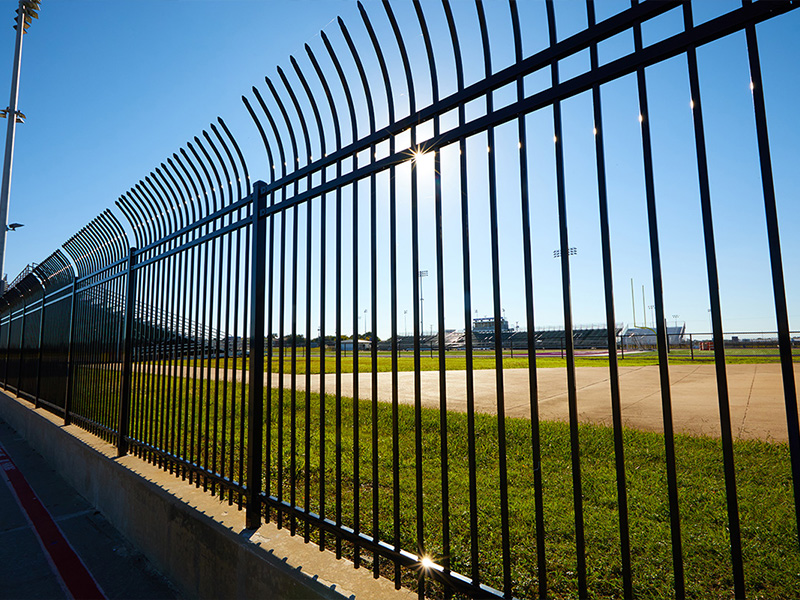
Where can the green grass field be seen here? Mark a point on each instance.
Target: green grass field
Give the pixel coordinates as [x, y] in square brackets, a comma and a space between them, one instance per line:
[772, 561]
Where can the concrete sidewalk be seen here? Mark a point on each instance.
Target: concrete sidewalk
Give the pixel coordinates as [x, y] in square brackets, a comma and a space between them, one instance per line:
[26, 571]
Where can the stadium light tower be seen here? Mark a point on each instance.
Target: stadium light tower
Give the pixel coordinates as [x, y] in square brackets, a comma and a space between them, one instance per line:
[27, 10]
[571, 252]
[421, 299]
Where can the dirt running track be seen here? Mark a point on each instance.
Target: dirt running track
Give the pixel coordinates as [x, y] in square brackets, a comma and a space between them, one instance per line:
[755, 391]
[756, 396]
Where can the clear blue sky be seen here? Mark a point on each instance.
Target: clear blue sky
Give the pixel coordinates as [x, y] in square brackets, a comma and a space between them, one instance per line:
[111, 89]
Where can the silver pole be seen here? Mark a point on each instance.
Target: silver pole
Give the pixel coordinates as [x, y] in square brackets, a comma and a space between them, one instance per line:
[11, 116]
[421, 300]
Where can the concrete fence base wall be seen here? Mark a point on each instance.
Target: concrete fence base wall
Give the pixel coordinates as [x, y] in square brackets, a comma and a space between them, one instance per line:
[195, 540]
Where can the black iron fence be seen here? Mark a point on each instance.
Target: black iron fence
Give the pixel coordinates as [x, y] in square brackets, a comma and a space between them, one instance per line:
[161, 348]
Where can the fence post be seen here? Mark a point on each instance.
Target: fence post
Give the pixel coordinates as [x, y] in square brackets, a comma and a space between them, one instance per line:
[39, 358]
[8, 348]
[70, 351]
[255, 399]
[21, 344]
[127, 358]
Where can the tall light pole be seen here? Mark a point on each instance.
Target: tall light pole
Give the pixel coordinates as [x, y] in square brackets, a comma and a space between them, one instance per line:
[26, 11]
[421, 299]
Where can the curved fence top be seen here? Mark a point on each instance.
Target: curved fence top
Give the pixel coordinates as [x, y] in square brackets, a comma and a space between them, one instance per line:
[98, 245]
[346, 97]
[55, 271]
[22, 290]
[208, 174]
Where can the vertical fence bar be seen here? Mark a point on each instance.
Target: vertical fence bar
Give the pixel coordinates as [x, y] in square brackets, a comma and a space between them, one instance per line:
[395, 383]
[572, 391]
[293, 380]
[8, 348]
[608, 288]
[776, 264]
[269, 353]
[144, 375]
[21, 344]
[255, 407]
[237, 286]
[467, 298]
[127, 357]
[338, 377]
[149, 287]
[373, 240]
[70, 354]
[293, 397]
[248, 235]
[218, 259]
[355, 415]
[322, 408]
[39, 351]
[418, 332]
[541, 562]
[307, 394]
[114, 344]
[194, 315]
[205, 322]
[498, 311]
[159, 317]
[661, 328]
[441, 334]
[716, 317]
[177, 370]
[281, 361]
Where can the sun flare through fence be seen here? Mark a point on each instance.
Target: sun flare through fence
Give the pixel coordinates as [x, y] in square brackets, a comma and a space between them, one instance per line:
[328, 347]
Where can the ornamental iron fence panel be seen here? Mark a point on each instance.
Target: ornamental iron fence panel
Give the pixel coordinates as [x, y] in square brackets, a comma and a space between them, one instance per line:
[205, 334]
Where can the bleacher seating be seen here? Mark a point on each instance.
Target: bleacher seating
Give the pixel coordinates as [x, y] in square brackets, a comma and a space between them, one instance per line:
[584, 338]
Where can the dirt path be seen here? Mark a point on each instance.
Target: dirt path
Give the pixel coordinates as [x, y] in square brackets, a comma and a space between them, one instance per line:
[755, 395]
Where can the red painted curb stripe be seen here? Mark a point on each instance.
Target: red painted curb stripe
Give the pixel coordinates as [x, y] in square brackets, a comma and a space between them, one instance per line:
[68, 565]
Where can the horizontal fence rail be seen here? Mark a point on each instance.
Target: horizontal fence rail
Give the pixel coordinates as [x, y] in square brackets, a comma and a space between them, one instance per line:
[231, 332]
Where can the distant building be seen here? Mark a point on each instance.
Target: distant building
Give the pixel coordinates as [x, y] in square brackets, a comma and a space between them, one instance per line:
[486, 325]
[347, 345]
[646, 337]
